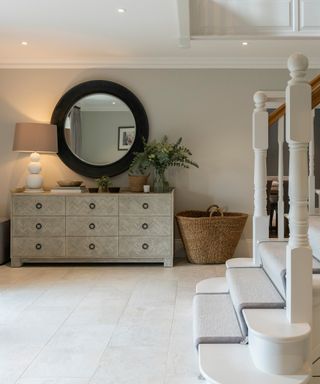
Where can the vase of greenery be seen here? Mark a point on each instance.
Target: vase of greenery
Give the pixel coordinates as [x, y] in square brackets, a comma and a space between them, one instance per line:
[103, 183]
[161, 155]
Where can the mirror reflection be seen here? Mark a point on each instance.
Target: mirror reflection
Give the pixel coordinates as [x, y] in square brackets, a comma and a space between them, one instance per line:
[99, 129]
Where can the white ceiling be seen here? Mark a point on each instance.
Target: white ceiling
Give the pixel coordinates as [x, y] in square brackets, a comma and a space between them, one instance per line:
[91, 33]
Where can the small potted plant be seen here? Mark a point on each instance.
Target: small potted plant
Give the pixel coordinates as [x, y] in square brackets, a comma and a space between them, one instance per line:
[103, 183]
[138, 172]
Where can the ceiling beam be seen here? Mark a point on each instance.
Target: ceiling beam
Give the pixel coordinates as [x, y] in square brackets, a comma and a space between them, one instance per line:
[184, 23]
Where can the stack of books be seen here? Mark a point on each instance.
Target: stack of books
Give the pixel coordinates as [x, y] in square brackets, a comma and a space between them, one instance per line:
[80, 189]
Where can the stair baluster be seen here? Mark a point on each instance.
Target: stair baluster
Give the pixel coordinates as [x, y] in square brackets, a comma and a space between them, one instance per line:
[280, 179]
[312, 185]
[260, 146]
[298, 136]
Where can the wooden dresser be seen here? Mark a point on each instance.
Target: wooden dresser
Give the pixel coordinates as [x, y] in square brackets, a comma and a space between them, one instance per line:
[84, 227]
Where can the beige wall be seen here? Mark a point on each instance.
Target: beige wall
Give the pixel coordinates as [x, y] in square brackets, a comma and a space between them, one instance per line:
[211, 109]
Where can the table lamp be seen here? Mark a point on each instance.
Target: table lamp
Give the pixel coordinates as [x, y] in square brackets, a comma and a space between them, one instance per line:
[35, 138]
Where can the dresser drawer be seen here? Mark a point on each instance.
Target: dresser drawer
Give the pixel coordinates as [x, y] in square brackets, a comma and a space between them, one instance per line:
[92, 247]
[144, 247]
[103, 205]
[145, 205]
[26, 205]
[35, 247]
[39, 226]
[92, 226]
[145, 225]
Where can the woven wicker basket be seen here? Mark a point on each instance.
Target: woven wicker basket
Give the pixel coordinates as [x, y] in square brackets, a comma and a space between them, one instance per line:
[210, 237]
[136, 183]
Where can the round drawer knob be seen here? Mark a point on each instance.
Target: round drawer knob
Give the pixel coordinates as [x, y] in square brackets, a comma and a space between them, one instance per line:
[145, 205]
[92, 226]
[145, 246]
[92, 246]
[145, 226]
[38, 225]
[92, 205]
[38, 205]
[38, 246]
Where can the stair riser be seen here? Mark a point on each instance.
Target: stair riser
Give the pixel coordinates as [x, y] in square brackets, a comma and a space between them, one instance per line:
[279, 358]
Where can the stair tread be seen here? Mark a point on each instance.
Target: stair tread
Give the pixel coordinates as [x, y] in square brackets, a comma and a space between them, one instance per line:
[212, 285]
[214, 358]
[241, 262]
[273, 325]
[251, 288]
[273, 256]
[214, 320]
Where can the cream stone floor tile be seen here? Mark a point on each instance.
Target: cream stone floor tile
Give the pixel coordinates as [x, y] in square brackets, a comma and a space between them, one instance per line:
[53, 381]
[14, 359]
[182, 359]
[184, 300]
[20, 292]
[154, 292]
[99, 324]
[62, 297]
[131, 365]
[184, 380]
[74, 351]
[147, 319]
[97, 311]
[150, 334]
[148, 314]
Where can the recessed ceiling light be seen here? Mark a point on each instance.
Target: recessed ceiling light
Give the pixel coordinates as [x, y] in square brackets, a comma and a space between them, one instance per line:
[24, 43]
[113, 102]
[244, 43]
[122, 10]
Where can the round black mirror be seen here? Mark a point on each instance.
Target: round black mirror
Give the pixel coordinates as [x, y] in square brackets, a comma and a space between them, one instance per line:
[100, 126]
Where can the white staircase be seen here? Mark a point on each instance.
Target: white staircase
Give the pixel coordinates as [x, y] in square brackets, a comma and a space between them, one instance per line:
[261, 322]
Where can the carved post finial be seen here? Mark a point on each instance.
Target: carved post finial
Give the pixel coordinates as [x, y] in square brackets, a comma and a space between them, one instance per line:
[298, 65]
[260, 100]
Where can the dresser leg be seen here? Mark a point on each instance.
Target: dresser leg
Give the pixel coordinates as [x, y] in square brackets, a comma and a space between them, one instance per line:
[16, 263]
[168, 262]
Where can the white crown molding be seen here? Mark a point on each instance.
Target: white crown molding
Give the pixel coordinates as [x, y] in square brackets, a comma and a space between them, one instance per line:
[162, 63]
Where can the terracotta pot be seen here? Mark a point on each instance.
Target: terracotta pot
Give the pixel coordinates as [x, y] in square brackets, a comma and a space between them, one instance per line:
[136, 183]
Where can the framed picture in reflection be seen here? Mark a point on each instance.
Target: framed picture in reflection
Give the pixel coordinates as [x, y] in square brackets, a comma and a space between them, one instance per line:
[126, 137]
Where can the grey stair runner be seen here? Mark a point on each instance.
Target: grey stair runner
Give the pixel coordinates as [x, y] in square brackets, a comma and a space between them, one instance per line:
[273, 256]
[314, 235]
[251, 288]
[214, 320]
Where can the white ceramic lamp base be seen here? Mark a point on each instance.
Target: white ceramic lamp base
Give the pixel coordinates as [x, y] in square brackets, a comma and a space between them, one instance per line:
[34, 180]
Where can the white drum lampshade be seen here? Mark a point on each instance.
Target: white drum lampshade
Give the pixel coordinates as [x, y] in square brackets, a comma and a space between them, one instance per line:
[35, 138]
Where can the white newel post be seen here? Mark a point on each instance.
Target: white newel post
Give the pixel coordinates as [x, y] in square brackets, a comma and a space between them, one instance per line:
[299, 259]
[312, 180]
[280, 179]
[260, 146]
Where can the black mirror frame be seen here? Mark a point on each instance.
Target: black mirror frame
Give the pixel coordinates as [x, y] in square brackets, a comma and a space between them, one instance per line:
[85, 89]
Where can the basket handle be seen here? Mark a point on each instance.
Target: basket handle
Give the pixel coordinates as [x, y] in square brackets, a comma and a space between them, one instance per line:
[214, 208]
